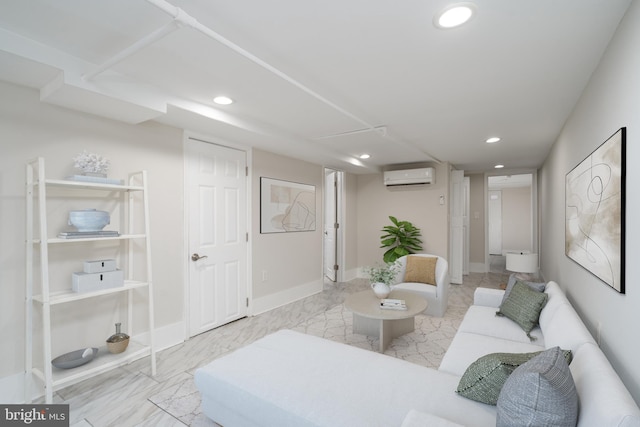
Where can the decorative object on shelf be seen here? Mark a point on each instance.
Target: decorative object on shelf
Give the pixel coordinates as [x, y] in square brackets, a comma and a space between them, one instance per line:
[94, 169]
[92, 164]
[402, 238]
[91, 282]
[87, 234]
[381, 278]
[75, 358]
[99, 266]
[89, 220]
[96, 276]
[595, 212]
[118, 342]
[524, 264]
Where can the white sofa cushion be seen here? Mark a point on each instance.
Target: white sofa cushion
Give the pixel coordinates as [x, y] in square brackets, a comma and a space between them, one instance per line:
[565, 329]
[420, 419]
[468, 347]
[293, 379]
[483, 321]
[604, 400]
[555, 300]
[488, 297]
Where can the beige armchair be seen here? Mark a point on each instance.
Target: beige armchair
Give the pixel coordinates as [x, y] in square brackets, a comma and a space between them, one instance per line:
[420, 274]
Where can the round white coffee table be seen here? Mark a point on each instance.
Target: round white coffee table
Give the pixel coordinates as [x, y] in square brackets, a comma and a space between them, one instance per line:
[385, 324]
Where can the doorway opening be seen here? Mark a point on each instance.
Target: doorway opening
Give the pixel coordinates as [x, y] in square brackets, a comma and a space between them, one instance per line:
[512, 221]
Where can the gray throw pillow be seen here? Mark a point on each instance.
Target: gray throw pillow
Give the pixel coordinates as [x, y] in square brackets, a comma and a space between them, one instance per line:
[523, 306]
[540, 392]
[484, 378]
[536, 286]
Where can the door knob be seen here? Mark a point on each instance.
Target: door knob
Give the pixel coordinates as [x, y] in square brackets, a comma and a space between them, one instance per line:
[196, 257]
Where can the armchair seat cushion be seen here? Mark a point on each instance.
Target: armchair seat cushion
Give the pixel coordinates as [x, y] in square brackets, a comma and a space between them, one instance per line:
[419, 288]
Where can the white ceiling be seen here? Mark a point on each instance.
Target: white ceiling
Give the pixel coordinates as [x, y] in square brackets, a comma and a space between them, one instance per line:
[322, 81]
[509, 181]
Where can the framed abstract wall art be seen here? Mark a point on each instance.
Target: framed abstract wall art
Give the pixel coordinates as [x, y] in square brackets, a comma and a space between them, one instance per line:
[286, 206]
[595, 212]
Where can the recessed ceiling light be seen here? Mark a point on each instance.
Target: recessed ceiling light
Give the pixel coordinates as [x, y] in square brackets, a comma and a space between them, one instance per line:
[454, 15]
[493, 140]
[365, 156]
[222, 100]
[498, 166]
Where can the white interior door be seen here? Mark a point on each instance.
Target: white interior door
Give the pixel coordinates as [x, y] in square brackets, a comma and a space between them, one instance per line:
[330, 224]
[457, 209]
[217, 212]
[495, 222]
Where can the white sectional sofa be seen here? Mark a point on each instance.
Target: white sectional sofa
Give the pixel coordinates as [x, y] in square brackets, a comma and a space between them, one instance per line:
[293, 379]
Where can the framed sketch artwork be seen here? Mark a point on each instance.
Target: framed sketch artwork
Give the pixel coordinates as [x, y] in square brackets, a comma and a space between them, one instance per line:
[595, 212]
[286, 206]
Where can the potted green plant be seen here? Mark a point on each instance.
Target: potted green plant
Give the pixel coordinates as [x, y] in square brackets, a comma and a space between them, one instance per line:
[381, 278]
[402, 238]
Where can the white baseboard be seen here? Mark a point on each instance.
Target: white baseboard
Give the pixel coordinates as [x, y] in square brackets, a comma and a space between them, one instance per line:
[166, 336]
[478, 267]
[269, 302]
[350, 274]
[12, 387]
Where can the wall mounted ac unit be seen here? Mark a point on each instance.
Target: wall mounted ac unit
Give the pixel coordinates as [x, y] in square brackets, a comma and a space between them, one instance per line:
[409, 177]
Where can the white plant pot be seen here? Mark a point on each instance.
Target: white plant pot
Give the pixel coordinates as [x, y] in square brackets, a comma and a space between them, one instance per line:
[382, 290]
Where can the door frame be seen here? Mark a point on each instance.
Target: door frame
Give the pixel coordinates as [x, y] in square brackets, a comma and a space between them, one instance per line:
[535, 234]
[467, 226]
[340, 219]
[457, 201]
[189, 135]
[494, 217]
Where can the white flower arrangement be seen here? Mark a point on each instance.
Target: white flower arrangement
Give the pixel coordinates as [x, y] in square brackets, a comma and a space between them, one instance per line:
[383, 274]
[91, 163]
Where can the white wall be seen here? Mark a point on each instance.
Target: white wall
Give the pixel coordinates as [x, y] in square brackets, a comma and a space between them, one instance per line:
[291, 263]
[417, 204]
[29, 129]
[516, 219]
[610, 101]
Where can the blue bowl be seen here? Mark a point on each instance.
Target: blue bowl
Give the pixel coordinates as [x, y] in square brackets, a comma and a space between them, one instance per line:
[89, 219]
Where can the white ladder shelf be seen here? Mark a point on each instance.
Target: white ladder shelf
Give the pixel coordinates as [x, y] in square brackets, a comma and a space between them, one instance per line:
[36, 219]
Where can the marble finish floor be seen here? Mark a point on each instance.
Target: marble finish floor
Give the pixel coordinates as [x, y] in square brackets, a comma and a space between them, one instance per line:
[129, 396]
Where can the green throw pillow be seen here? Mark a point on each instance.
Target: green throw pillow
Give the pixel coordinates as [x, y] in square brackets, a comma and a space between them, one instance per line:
[484, 378]
[523, 306]
[536, 286]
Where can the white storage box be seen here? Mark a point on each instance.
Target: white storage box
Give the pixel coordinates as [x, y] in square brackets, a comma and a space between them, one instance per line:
[99, 266]
[90, 282]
